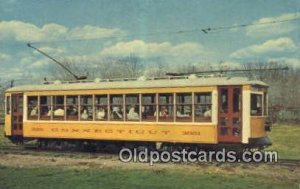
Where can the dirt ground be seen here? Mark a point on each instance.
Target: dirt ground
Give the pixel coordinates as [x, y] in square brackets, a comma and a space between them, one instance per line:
[111, 161]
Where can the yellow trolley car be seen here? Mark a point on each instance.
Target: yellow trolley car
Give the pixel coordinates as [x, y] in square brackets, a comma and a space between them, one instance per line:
[186, 110]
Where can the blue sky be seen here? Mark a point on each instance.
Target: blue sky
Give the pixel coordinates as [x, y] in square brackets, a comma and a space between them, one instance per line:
[88, 31]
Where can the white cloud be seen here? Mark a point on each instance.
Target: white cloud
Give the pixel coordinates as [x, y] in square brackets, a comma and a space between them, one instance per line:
[22, 31]
[90, 32]
[260, 29]
[143, 49]
[39, 63]
[137, 47]
[26, 60]
[187, 49]
[51, 50]
[275, 45]
[4, 57]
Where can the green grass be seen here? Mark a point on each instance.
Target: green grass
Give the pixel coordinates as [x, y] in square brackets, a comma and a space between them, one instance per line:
[286, 141]
[45, 178]
[3, 140]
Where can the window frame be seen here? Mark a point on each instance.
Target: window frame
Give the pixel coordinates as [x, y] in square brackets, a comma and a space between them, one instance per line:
[63, 105]
[185, 117]
[153, 104]
[41, 117]
[202, 118]
[169, 117]
[106, 108]
[75, 105]
[137, 107]
[30, 108]
[121, 111]
[262, 113]
[83, 104]
[155, 101]
[7, 105]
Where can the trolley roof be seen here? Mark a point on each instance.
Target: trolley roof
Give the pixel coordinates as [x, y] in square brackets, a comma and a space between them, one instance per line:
[140, 83]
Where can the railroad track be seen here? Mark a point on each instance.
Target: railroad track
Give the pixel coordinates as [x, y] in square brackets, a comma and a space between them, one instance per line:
[289, 162]
[33, 150]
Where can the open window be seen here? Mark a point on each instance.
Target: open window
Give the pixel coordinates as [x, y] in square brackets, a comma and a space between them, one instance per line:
[58, 108]
[72, 107]
[32, 108]
[101, 107]
[116, 107]
[45, 107]
[148, 107]
[132, 107]
[203, 109]
[256, 104]
[265, 104]
[8, 105]
[184, 107]
[166, 108]
[86, 108]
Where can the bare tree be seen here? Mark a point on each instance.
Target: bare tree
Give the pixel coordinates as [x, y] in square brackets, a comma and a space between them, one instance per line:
[284, 90]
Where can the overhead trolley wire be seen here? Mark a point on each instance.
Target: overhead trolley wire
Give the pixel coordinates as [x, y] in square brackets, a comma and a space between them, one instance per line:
[203, 30]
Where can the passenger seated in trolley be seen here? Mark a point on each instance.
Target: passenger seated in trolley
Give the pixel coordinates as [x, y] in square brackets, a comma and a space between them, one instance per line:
[181, 115]
[207, 113]
[34, 111]
[84, 114]
[100, 113]
[163, 112]
[132, 115]
[116, 113]
[50, 111]
[59, 112]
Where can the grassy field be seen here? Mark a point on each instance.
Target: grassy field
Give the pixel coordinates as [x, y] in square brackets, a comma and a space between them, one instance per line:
[4, 141]
[285, 140]
[43, 178]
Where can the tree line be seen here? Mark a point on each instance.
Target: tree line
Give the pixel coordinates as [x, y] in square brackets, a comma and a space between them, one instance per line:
[284, 88]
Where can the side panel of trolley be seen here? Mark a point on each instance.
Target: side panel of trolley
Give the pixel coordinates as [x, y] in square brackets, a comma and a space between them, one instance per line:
[160, 132]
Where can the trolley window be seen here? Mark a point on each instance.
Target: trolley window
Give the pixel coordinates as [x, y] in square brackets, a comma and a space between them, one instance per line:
[148, 107]
[265, 102]
[237, 100]
[86, 107]
[72, 107]
[132, 107]
[45, 107]
[184, 107]
[8, 105]
[256, 104]
[58, 107]
[32, 107]
[116, 106]
[166, 108]
[202, 107]
[101, 107]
